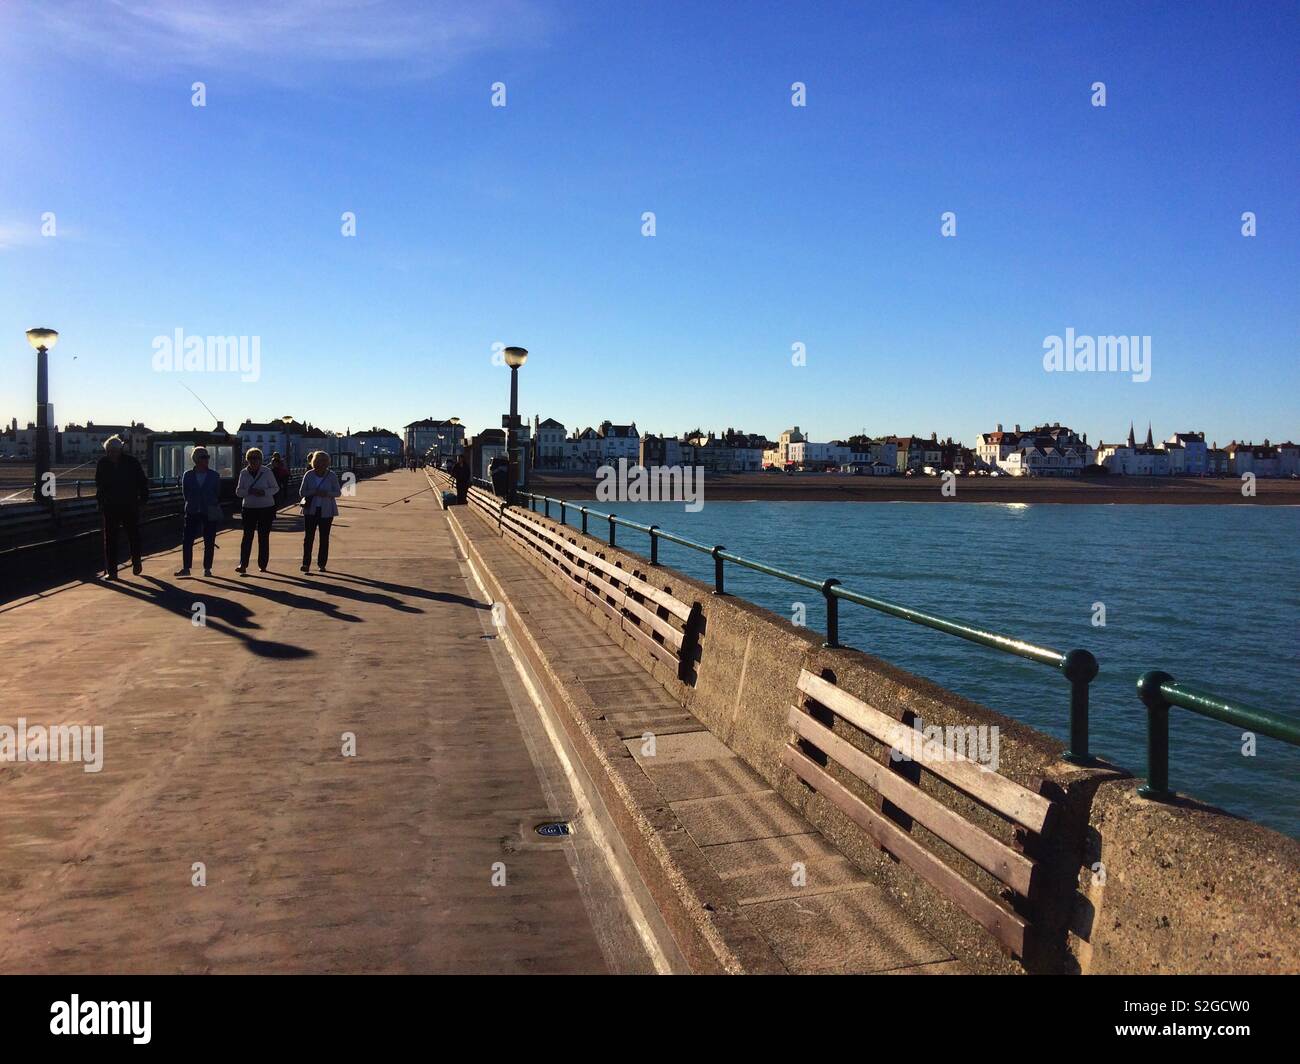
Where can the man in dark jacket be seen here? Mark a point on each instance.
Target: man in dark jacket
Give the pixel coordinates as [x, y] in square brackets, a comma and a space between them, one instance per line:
[121, 488]
[460, 474]
[499, 471]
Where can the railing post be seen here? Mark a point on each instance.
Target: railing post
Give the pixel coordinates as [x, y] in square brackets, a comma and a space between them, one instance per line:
[718, 588]
[584, 519]
[1156, 787]
[611, 529]
[654, 545]
[832, 615]
[546, 502]
[1080, 668]
[562, 520]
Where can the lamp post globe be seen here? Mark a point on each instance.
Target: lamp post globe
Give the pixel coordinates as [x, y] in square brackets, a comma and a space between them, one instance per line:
[42, 340]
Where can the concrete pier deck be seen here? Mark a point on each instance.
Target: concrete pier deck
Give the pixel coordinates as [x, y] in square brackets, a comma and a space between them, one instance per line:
[223, 746]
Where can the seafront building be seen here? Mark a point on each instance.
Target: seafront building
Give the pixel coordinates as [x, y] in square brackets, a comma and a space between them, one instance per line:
[732, 452]
[1053, 450]
[443, 437]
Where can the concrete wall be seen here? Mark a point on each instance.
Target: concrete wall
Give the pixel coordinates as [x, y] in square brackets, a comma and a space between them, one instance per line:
[1151, 914]
[1183, 887]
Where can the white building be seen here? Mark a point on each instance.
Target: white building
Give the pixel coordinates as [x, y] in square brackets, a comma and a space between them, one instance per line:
[808, 455]
[1193, 461]
[619, 441]
[549, 452]
[1044, 450]
[267, 436]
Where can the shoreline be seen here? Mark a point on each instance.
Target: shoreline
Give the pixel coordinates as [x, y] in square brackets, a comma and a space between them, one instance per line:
[831, 487]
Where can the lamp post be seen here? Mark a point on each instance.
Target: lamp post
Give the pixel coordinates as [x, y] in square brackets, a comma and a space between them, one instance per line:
[515, 357]
[42, 340]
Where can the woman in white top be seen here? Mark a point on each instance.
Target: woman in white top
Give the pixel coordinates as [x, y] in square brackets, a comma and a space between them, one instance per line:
[257, 487]
[320, 487]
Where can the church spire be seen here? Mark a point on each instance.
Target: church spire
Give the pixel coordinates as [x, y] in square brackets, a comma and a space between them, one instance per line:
[1150, 441]
[1131, 441]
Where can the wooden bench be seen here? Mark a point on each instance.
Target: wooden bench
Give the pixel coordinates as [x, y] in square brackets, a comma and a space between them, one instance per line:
[657, 620]
[1008, 799]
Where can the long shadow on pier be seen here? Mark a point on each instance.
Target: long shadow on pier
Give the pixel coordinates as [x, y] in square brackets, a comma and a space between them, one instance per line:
[222, 616]
[406, 589]
[256, 585]
[343, 591]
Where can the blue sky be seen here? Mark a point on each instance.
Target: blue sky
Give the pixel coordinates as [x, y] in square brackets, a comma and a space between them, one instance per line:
[775, 225]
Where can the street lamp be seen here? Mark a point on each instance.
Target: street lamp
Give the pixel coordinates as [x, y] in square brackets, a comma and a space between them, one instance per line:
[515, 357]
[42, 340]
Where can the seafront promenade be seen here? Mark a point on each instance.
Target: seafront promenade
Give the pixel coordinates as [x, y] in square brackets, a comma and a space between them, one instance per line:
[223, 745]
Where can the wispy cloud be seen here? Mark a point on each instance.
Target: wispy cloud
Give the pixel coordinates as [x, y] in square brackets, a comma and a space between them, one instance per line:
[399, 39]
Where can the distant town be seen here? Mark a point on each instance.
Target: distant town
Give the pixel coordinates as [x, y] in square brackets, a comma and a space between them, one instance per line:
[1045, 450]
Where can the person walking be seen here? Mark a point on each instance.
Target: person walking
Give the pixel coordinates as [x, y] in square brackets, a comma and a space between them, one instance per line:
[257, 488]
[499, 471]
[121, 488]
[280, 470]
[320, 487]
[201, 488]
[460, 474]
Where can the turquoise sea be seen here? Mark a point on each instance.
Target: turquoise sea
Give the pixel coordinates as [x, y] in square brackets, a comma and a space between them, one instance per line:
[1210, 594]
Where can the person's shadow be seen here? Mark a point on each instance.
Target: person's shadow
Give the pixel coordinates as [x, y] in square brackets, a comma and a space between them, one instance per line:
[219, 615]
[257, 586]
[343, 591]
[406, 589]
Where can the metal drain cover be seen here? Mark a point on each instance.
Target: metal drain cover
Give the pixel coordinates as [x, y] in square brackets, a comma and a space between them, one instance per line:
[554, 829]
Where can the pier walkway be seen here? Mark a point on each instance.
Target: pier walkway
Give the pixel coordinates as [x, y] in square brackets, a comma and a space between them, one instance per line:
[223, 755]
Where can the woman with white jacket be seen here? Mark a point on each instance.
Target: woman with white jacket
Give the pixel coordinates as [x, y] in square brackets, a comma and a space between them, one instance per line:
[257, 487]
[320, 487]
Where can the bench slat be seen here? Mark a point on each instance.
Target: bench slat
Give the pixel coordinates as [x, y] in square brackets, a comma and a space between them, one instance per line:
[599, 580]
[664, 653]
[995, 857]
[997, 792]
[669, 602]
[996, 918]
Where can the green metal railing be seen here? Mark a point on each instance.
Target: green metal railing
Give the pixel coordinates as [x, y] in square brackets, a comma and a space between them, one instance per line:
[1078, 666]
[1157, 690]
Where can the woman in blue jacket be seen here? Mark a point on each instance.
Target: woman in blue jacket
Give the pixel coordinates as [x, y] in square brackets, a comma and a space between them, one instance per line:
[201, 487]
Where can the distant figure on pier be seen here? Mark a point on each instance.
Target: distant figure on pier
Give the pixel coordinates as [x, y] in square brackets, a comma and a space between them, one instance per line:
[460, 474]
[280, 469]
[201, 488]
[499, 471]
[257, 487]
[121, 488]
[320, 487]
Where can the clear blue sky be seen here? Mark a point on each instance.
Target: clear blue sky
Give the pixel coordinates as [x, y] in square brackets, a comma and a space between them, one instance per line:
[775, 224]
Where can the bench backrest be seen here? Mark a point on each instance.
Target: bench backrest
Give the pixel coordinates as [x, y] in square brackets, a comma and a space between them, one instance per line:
[1008, 799]
[657, 620]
